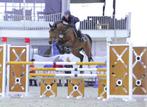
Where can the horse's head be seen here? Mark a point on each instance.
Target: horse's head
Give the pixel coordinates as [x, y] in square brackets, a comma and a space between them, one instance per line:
[55, 30]
[52, 33]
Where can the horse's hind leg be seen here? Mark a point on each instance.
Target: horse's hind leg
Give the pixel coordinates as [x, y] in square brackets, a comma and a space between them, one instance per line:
[81, 59]
[90, 59]
[79, 55]
[87, 50]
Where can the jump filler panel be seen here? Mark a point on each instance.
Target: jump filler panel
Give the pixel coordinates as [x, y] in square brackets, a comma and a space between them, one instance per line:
[119, 70]
[18, 73]
[139, 72]
[75, 87]
[48, 87]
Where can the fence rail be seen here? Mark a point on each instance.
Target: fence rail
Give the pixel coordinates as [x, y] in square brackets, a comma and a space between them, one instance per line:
[20, 22]
[38, 17]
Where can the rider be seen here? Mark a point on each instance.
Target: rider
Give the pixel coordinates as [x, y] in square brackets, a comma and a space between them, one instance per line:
[74, 22]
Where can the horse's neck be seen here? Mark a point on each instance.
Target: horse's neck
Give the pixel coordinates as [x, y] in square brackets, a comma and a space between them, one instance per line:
[62, 28]
[66, 30]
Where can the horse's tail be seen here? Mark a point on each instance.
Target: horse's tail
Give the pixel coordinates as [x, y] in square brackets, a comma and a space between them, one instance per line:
[89, 38]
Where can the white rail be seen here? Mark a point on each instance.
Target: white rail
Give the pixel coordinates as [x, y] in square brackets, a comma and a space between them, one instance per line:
[68, 75]
[38, 17]
[58, 63]
[9, 21]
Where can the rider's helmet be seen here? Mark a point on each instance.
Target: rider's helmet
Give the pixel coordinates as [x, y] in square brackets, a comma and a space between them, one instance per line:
[67, 13]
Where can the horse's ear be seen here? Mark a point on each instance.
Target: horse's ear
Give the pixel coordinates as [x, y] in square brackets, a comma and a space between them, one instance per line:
[50, 25]
[55, 25]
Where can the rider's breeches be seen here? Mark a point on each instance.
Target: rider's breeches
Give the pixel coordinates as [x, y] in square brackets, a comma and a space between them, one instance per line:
[77, 25]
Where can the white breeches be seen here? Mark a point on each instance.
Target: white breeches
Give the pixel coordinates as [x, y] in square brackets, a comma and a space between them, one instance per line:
[77, 25]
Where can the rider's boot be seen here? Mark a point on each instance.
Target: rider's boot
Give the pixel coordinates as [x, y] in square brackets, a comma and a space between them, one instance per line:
[79, 34]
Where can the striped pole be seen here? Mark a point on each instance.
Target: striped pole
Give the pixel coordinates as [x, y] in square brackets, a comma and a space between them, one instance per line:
[67, 75]
[58, 63]
[69, 69]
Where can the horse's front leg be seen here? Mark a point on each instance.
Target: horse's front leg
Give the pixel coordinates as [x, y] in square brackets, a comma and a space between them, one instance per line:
[77, 53]
[90, 59]
[81, 60]
[60, 47]
[68, 44]
[49, 51]
[68, 47]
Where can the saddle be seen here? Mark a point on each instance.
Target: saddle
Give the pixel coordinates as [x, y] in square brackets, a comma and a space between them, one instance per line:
[78, 33]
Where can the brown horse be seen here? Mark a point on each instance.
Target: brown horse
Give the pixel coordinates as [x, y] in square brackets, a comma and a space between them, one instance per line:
[68, 37]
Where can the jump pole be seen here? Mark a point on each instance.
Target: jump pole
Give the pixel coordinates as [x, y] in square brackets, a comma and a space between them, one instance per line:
[58, 63]
[69, 69]
[68, 75]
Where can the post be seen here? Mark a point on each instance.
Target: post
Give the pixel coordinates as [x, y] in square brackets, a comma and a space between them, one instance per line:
[3, 66]
[114, 23]
[24, 2]
[65, 6]
[128, 24]
[27, 41]
[107, 72]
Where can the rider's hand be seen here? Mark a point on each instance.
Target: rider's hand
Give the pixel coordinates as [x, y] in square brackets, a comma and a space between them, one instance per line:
[65, 23]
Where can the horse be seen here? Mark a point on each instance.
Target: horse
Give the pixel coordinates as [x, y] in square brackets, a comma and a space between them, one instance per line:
[66, 35]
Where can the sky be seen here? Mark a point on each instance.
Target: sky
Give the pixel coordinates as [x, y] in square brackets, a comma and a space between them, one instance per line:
[137, 8]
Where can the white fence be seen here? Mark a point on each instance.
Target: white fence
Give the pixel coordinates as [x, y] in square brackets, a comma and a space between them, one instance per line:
[41, 21]
[38, 17]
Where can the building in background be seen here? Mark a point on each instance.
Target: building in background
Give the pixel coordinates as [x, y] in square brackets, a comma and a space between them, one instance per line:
[31, 18]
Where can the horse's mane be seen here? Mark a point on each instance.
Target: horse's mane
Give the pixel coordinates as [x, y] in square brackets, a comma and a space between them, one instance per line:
[56, 23]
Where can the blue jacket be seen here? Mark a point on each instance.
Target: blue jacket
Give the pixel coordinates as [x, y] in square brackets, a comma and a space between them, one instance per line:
[72, 20]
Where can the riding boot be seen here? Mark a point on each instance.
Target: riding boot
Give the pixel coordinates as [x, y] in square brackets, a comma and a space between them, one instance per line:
[80, 36]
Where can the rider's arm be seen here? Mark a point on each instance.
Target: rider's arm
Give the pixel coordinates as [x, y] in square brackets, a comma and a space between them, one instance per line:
[64, 21]
[73, 21]
[76, 19]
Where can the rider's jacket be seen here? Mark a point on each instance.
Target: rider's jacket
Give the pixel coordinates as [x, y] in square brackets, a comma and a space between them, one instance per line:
[72, 20]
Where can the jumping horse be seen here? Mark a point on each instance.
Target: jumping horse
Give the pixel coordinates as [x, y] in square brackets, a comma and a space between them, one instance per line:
[66, 36]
